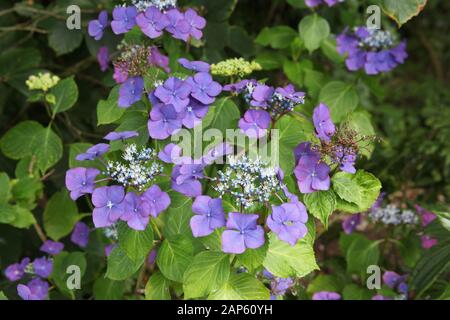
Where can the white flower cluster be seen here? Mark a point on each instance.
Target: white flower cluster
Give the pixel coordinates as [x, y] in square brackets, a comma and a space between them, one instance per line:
[162, 5]
[247, 181]
[111, 232]
[393, 215]
[139, 169]
[378, 39]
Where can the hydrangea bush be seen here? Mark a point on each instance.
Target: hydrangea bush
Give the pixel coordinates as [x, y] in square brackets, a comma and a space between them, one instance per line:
[213, 179]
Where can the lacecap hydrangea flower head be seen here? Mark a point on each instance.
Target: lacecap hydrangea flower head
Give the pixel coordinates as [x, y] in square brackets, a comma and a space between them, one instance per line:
[372, 50]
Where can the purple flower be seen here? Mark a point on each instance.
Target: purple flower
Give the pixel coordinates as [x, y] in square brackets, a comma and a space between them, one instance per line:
[289, 93]
[178, 26]
[52, 247]
[156, 199]
[120, 72]
[175, 92]
[346, 158]
[43, 267]
[124, 135]
[81, 181]
[303, 150]
[136, 211]
[124, 19]
[203, 88]
[313, 3]
[371, 50]
[152, 22]
[312, 175]
[403, 288]
[279, 286]
[93, 152]
[217, 152]
[97, 27]
[152, 257]
[428, 242]
[80, 234]
[156, 58]
[109, 248]
[322, 122]
[197, 66]
[326, 295]
[351, 223]
[239, 86]
[288, 222]
[194, 113]
[209, 216]
[427, 216]
[130, 92]
[262, 95]
[109, 206]
[242, 233]
[164, 121]
[103, 58]
[16, 271]
[185, 179]
[380, 297]
[196, 23]
[393, 279]
[36, 289]
[255, 123]
[170, 154]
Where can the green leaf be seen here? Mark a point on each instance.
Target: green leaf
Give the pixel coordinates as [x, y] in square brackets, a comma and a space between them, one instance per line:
[5, 188]
[120, 267]
[66, 93]
[284, 260]
[321, 205]
[325, 283]
[241, 286]
[278, 37]
[432, 264]
[270, 60]
[178, 216]
[360, 254]
[157, 287]
[340, 97]
[135, 244]
[328, 47]
[361, 122]
[368, 189]
[17, 142]
[208, 272]
[346, 187]
[292, 131]
[60, 215]
[26, 190]
[444, 219]
[48, 149]
[293, 71]
[23, 218]
[252, 259]
[2, 296]
[404, 10]
[7, 213]
[60, 274]
[108, 110]
[63, 40]
[313, 30]
[174, 256]
[106, 289]
[223, 114]
[354, 292]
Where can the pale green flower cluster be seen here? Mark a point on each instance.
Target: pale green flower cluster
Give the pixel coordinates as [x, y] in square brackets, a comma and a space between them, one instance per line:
[235, 67]
[42, 81]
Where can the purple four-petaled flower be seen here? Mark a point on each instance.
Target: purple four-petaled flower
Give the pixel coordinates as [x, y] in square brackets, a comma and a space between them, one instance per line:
[124, 19]
[242, 233]
[255, 123]
[288, 222]
[109, 206]
[96, 28]
[209, 216]
[81, 181]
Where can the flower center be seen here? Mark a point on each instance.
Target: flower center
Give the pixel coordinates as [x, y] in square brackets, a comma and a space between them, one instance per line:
[110, 204]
